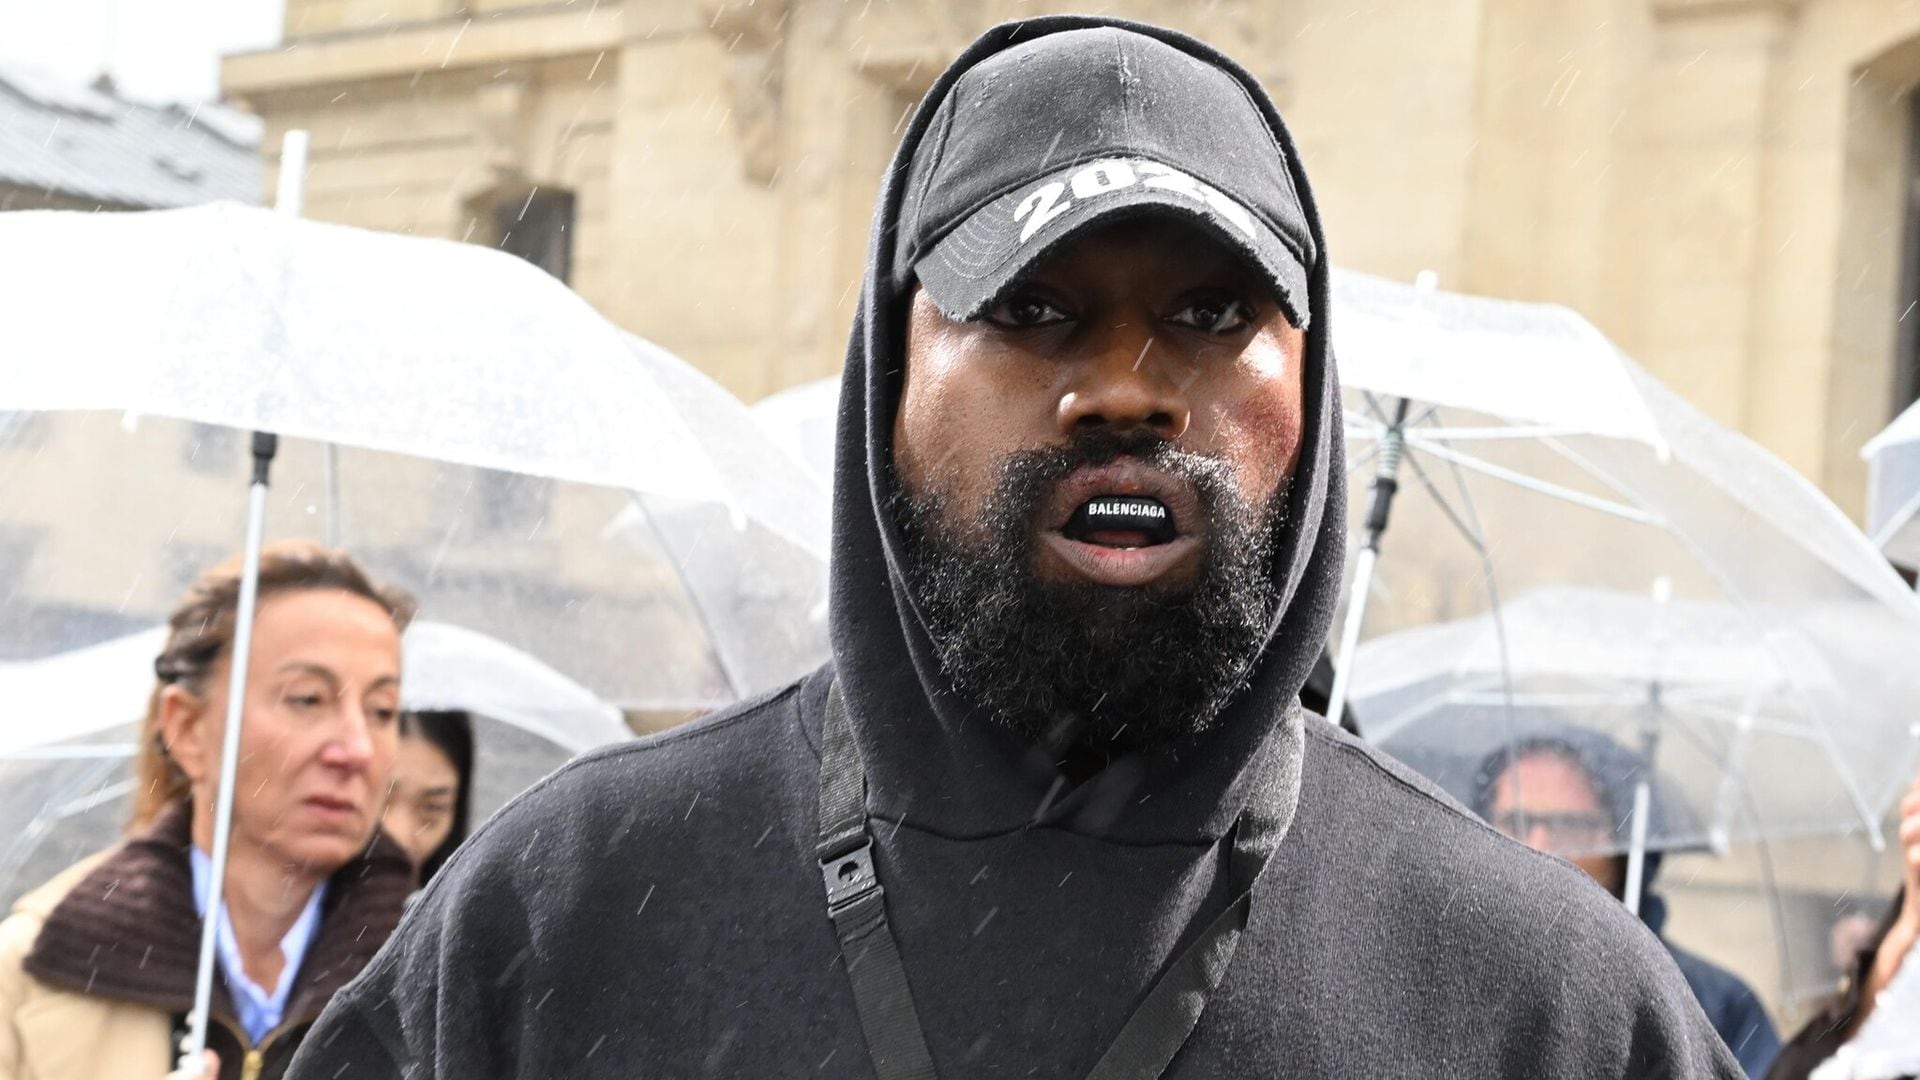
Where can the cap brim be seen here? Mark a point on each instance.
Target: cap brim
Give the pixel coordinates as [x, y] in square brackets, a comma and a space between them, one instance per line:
[974, 266]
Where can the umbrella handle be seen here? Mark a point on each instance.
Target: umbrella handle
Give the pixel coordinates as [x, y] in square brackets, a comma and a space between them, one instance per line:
[1386, 483]
[1386, 478]
[1637, 849]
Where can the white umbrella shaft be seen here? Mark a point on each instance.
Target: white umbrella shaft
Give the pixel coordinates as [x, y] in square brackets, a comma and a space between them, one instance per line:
[1350, 634]
[289, 194]
[330, 477]
[229, 765]
[1637, 851]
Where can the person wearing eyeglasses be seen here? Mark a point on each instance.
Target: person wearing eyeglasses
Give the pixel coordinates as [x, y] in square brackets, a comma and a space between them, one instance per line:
[1569, 795]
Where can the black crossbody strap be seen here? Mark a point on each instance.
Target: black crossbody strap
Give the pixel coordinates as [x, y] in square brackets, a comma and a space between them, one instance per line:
[857, 905]
[1158, 1028]
[1161, 1024]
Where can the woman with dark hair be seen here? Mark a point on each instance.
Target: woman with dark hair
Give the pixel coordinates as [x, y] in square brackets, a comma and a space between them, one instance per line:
[1893, 944]
[98, 966]
[432, 787]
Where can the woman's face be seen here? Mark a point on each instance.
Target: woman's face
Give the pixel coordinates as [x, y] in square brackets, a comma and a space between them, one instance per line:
[425, 787]
[321, 728]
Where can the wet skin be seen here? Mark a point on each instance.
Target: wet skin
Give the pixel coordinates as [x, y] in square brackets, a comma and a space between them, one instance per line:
[1147, 325]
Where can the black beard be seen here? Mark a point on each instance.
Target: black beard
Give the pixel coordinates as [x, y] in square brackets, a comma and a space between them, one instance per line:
[1080, 666]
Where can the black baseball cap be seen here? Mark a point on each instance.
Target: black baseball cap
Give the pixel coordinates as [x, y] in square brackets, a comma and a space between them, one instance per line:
[1039, 142]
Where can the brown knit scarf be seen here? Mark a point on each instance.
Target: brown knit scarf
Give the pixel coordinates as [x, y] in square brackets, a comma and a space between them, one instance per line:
[130, 932]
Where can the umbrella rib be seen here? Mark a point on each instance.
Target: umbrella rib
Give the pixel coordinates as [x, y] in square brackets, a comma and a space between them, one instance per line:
[1494, 610]
[1534, 484]
[1466, 531]
[1896, 521]
[1500, 433]
[1819, 734]
[734, 681]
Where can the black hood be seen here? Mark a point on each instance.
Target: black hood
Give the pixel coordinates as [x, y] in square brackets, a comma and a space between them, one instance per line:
[930, 758]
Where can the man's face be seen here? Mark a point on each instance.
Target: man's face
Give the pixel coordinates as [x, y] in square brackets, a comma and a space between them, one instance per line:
[1094, 474]
[1549, 803]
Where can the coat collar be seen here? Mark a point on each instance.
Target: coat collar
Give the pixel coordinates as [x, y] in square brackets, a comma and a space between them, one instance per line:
[129, 930]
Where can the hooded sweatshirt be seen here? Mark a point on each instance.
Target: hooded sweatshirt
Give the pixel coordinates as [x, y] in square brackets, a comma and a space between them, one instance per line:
[657, 909]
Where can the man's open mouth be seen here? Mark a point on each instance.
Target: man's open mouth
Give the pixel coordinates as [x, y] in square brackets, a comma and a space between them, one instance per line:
[1122, 521]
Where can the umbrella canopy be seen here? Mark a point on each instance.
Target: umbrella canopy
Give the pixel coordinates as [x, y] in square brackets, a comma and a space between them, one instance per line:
[1893, 488]
[801, 419]
[1533, 454]
[462, 422]
[419, 349]
[1447, 696]
[241, 317]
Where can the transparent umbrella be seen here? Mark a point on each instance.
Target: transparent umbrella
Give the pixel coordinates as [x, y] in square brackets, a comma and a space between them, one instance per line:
[487, 407]
[465, 422]
[1754, 634]
[801, 419]
[1893, 488]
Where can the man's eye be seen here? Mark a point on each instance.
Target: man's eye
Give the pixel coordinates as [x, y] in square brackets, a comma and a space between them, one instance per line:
[1024, 311]
[1215, 315]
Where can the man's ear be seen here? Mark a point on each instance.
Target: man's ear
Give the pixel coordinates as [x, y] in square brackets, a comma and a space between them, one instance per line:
[183, 729]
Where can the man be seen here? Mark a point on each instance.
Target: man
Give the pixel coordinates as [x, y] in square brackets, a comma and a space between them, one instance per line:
[1571, 794]
[1052, 809]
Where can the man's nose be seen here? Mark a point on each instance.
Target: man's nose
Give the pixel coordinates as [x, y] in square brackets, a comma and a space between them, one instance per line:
[1122, 382]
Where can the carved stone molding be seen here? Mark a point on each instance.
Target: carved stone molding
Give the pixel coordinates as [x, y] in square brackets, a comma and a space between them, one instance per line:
[752, 32]
[502, 109]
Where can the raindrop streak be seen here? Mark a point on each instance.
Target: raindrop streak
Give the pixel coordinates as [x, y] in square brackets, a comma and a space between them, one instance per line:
[455, 43]
[991, 912]
[644, 899]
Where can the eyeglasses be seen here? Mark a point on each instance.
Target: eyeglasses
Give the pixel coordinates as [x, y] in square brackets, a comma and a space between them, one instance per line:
[1563, 832]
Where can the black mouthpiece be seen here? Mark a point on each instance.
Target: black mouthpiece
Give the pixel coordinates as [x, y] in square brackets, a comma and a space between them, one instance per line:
[1123, 513]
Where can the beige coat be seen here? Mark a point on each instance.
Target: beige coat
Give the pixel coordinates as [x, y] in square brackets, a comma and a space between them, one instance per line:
[52, 1034]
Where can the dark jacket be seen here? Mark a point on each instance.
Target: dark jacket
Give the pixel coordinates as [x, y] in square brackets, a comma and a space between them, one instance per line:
[127, 935]
[1731, 1006]
[1822, 1036]
[658, 909]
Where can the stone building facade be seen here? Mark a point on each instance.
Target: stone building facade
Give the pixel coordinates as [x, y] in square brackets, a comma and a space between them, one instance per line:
[1723, 185]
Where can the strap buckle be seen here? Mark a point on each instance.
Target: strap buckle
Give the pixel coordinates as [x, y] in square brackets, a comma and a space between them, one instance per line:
[849, 876]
